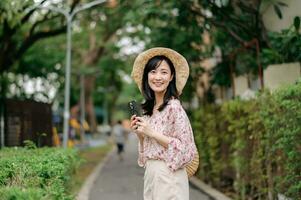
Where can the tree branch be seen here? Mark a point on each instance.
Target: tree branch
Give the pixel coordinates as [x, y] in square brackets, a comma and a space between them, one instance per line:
[244, 7]
[9, 52]
[37, 36]
[74, 4]
[42, 34]
[232, 19]
[101, 48]
[219, 24]
[32, 29]
[27, 16]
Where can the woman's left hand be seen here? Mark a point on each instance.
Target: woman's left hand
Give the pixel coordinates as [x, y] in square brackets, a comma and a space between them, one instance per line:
[144, 127]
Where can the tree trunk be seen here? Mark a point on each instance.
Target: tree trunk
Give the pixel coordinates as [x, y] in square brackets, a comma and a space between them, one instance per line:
[111, 107]
[89, 84]
[90, 58]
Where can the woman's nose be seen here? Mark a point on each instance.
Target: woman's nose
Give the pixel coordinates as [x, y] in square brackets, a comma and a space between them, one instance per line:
[158, 76]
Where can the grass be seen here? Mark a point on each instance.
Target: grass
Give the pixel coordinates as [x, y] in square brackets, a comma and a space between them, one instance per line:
[91, 157]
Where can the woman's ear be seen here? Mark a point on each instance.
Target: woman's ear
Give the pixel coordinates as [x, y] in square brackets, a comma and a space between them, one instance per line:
[171, 77]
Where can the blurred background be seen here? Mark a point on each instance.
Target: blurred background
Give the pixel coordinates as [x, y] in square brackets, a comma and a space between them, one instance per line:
[240, 53]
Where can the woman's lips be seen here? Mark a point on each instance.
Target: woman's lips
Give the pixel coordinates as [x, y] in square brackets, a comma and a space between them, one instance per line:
[158, 84]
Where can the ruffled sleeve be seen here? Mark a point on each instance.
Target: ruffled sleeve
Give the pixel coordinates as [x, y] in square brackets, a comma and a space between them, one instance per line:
[181, 148]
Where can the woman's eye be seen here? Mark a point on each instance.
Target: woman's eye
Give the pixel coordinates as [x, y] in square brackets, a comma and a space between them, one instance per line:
[153, 71]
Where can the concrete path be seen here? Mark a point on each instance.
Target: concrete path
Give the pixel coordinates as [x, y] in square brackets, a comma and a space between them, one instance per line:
[123, 180]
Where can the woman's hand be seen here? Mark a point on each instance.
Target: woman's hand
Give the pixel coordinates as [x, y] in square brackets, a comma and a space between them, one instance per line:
[143, 127]
[134, 127]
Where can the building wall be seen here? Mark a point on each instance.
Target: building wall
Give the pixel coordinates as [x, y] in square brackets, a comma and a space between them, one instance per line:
[241, 85]
[276, 76]
[272, 21]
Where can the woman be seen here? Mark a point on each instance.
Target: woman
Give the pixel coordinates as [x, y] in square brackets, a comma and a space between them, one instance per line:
[166, 143]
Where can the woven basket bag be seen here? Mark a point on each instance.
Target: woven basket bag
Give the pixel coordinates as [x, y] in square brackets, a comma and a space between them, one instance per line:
[193, 165]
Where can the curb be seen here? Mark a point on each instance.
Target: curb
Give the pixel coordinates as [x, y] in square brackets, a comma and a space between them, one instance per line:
[84, 192]
[213, 193]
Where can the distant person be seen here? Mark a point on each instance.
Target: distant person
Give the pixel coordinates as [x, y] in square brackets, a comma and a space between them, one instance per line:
[166, 143]
[119, 137]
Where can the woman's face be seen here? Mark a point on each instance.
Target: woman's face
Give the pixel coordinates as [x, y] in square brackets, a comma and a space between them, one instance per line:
[158, 79]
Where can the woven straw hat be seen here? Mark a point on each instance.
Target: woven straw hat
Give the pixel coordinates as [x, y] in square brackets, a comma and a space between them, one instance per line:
[179, 62]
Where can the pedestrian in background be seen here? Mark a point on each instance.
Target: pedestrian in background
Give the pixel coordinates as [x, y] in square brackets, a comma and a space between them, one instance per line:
[119, 137]
[166, 144]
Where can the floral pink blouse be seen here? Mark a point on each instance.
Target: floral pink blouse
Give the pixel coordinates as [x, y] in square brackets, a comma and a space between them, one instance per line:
[174, 123]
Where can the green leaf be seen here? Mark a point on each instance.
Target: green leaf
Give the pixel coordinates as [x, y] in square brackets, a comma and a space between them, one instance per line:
[278, 11]
[282, 4]
[297, 23]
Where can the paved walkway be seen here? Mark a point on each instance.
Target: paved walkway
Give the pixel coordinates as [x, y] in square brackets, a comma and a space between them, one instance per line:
[123, 180]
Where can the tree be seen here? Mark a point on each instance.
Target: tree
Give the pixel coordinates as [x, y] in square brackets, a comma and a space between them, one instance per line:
[43, 62]
[20, 28]
[237, 26]
[97, 50]
[169, 24]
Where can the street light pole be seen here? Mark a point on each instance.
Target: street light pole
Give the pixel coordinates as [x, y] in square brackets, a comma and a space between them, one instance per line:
[69, 17]
[67, 83]
[82, 106]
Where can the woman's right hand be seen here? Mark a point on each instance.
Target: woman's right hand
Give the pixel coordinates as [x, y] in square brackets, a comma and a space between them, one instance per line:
[134, 126]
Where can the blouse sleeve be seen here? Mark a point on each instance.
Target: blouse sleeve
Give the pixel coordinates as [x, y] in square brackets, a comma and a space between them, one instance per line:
[181, 148]
[141, 157]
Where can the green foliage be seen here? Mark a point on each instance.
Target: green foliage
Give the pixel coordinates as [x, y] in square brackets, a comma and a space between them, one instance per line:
[207, 141]
[285, 46]
[17, 193]
[10, 11]
[43, 58]
[252, 147]
[21, 25]
[28, 144]
[170, 24]
[281, 118]
[221, 74]
[42, 173]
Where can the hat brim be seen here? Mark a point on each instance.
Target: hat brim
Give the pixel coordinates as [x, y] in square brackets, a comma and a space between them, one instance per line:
[179, 62]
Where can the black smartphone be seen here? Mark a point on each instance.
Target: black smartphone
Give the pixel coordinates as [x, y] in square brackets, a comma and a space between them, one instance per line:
[134, 108]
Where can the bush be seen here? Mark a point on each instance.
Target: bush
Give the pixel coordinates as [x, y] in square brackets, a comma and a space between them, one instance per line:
[285, 46]
[18, 193]
[36, 173]
[281, 117]
[252, 149]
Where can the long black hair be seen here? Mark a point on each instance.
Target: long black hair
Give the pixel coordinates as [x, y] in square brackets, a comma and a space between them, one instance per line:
[148, 93]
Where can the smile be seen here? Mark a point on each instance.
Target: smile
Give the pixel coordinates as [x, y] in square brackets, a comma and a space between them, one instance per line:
[158, 84]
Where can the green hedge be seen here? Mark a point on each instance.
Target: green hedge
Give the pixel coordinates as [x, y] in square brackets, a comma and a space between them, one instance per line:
[42, 173]
[252, 149]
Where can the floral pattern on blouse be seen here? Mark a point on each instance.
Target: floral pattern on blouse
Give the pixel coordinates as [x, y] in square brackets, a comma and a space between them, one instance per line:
[174, 123]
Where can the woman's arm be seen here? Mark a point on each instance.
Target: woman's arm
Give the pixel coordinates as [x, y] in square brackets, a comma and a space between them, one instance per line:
[141, 145]
[144, 128]
[161, 139]
[133, 125]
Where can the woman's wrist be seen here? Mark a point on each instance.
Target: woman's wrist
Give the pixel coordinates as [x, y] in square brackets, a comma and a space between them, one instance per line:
[141, 145]
[152, 134]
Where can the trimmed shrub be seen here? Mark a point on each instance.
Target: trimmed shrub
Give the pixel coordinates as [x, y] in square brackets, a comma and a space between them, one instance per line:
[252, 149]
[41, 173]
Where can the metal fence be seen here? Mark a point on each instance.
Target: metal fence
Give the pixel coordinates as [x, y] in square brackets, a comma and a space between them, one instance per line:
[27, 120]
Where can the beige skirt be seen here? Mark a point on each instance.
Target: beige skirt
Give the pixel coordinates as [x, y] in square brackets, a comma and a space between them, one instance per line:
[162, 184]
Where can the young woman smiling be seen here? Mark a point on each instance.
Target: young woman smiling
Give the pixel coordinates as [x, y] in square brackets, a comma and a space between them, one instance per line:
[166, 143]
